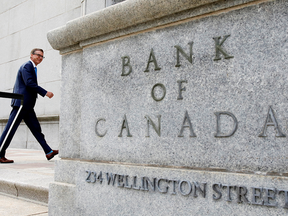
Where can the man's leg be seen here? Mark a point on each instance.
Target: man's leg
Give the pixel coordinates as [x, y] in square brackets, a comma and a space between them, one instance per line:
[13, 130]
[33, 124]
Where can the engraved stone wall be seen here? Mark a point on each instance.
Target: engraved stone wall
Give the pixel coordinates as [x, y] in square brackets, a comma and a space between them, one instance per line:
[184, 118]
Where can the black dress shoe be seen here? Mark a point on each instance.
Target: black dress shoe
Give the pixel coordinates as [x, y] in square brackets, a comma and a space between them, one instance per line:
[5, 160]
[52, 154]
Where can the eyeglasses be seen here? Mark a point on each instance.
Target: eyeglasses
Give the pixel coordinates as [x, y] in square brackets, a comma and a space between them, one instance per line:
[39, 55]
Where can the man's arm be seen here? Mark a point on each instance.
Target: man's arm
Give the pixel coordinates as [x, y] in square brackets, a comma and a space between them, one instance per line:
[28, 73]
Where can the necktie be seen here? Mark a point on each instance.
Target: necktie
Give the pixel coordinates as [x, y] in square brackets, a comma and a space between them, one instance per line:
[36, 71]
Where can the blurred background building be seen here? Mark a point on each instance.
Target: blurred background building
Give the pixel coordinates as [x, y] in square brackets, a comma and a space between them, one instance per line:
[23, 26]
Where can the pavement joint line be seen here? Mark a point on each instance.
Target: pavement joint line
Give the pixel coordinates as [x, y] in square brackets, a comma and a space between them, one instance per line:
[17, 192]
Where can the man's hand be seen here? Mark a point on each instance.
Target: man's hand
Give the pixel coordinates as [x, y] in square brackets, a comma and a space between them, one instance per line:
[49, 94]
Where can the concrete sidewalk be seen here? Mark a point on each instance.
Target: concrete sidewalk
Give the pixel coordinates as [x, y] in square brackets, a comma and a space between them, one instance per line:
[10, 206]
[27, 178]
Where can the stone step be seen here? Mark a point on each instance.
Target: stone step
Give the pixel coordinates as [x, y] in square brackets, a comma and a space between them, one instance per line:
[29, 176]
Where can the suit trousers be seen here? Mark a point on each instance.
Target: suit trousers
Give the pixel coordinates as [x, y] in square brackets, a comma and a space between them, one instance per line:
[29, 117]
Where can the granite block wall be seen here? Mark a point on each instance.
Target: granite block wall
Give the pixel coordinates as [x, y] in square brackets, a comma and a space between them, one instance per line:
[179, 112]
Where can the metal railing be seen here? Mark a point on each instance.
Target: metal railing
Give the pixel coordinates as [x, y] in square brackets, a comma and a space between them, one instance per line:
[11, 96]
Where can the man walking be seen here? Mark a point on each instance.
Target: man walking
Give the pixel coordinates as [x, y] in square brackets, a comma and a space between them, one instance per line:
[26, 84]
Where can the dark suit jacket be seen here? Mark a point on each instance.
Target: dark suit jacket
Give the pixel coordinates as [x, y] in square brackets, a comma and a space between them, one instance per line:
[26, 84]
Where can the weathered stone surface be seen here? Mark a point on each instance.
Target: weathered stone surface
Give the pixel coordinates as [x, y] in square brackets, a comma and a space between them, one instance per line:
[64, 194]
[245, 85]
[70, 121]
[222, 118]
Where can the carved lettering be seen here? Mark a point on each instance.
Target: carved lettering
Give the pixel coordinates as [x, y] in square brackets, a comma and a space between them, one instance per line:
[241, 194]
[174, 186]
[188, 191]
[142, 184]
[286, 197]
[217, 191]
[158, 185]
[163, 90]
[134, 186]
[96, 130]
[180, 50]
[257, 196]
[127, 182]
[218, 133]
[148, 182]
[126, 63]
[270, 196]
[125, 126]
[120, 180]
[99, 177]
[229, 187]
[88, 177]
[271, 121]
[184, 125]
[152, 59]
[181, 89]
[150, 122]
[198, 188]
[218, 48]
[92, 177]
[111, 178]
[260, 196]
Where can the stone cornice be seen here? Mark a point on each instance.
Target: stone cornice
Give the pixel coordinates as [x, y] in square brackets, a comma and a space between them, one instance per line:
[130, 16]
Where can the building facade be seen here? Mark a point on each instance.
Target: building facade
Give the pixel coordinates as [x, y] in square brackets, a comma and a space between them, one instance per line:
[24, 26]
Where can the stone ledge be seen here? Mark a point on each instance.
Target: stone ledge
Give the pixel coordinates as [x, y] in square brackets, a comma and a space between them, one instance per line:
[129, 14]
[119, 16]
[113, 22]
